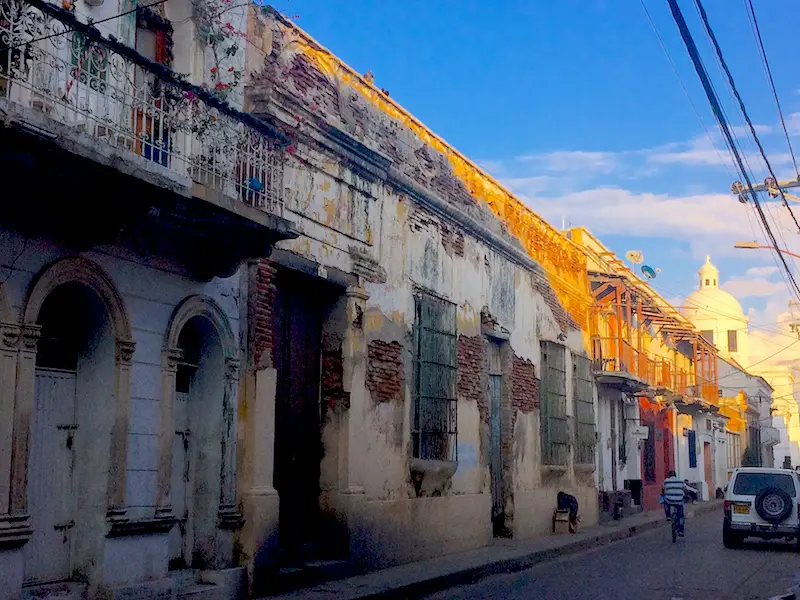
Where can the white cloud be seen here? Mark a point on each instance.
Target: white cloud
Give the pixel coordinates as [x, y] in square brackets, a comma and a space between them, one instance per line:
[747, 287]
[576, 161]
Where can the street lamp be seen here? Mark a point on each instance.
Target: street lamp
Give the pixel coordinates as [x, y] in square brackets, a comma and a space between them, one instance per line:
[757, 246]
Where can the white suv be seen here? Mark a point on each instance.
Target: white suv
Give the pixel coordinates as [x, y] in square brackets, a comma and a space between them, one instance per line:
[761, 502]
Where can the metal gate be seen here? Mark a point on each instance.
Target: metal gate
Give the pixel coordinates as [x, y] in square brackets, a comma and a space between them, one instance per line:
[50, 477]
[496, 446]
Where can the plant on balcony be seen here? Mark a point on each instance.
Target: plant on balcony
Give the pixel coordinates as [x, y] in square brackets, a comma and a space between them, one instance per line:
[219, 35]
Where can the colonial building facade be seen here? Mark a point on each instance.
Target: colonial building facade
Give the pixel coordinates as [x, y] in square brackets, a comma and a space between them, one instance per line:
[419, 381]
[133, 198]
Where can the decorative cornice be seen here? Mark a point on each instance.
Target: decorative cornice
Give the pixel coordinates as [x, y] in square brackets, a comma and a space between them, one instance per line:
[366, 267]
[154, 526]
[171, 357]
[230, 517]
[125, 350]
[30, 337]
[10, 335]
[15, 531]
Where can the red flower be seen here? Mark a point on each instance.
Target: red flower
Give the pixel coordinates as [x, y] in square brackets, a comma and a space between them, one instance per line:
[230, 69]
[213, 69]
[222, 86]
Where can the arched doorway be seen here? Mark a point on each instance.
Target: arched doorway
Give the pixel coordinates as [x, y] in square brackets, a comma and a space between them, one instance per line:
[70, 436]
[199, 433]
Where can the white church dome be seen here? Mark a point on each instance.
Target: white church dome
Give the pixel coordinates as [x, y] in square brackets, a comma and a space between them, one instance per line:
[709, 301]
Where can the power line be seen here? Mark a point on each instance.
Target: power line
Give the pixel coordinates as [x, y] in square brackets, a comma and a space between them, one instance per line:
[718, 50]
[691, 48]
[683, 86]
[751, 15]
[89, 22]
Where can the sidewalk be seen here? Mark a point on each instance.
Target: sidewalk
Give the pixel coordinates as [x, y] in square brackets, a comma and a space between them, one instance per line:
[504, 556]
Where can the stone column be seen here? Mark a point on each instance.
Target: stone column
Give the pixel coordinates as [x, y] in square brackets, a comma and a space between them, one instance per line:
[352, 447]
[9, 349]
[228, 511]
[23, 417]
[169, 371]
[118, 466]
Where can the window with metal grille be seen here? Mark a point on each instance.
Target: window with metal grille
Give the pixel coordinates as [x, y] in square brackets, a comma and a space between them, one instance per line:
[435, 430]
[554, 422]
[584, 410]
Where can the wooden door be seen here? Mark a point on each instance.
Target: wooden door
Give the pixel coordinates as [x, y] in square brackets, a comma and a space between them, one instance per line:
[709, 469]
[50, 477]
[178, 555]
[496, 446]
[298, 443]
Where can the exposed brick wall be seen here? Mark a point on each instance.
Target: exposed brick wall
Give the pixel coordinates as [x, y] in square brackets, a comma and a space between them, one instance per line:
[524, 386]
[472, 373]
[260, 303]
[332, 374]
[385, 373]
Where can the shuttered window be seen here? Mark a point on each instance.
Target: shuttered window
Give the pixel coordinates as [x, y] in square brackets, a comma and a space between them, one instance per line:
[435, 369]
[554, 422]
[584, 410]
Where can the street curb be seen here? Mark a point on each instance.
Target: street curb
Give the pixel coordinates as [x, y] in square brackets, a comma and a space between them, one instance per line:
[511, 565]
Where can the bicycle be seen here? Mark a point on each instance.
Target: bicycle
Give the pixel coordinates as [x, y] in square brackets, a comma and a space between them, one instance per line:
[676, 525]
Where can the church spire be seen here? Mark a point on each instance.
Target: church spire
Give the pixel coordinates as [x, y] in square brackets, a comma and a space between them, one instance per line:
[709, 275]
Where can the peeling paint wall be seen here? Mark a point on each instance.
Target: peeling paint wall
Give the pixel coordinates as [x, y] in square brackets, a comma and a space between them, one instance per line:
[362, 181]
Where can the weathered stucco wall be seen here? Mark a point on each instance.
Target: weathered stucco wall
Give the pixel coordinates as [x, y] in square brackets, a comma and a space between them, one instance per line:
[365, 179]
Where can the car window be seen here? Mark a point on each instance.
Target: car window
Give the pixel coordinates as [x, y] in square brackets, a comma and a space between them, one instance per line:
[751, 484]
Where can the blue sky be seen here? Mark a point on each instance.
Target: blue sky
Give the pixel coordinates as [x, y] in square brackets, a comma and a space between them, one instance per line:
[574, 105]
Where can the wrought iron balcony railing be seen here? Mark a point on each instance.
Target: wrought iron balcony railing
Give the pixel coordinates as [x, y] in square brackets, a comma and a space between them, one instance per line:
[52, 63]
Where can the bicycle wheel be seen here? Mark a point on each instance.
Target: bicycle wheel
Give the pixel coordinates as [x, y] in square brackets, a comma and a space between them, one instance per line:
[674, 525]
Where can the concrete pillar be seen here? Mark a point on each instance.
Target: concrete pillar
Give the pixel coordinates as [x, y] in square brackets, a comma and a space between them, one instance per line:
[169, 370]
[258, 537]
[227, 498]
[9, 349]
[23, 416]
[119, 433]
[351, 444]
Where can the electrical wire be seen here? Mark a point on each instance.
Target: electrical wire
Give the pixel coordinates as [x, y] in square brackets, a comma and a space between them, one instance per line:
[685, 89]
[691, 48]
[751, 15]
[718, 50]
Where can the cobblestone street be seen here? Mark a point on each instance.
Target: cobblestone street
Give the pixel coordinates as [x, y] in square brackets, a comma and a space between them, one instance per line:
[650, 566]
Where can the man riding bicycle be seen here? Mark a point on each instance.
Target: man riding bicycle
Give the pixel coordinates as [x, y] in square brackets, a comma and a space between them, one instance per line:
[674, 490]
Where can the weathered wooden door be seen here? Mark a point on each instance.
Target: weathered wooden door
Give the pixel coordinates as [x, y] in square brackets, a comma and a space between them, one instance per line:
[496, 446]
[178, 554]
[298, 443]
[709, 469]
[50, 477]
[496, 436]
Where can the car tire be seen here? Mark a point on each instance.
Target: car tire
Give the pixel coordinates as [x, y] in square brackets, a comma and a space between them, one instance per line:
[731, 539]
[774, 505]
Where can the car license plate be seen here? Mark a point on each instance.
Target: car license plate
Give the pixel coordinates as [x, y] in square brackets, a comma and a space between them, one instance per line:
[741, 509]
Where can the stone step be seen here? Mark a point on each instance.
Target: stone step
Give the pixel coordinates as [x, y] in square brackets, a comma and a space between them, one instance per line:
[201, 591]
[66, 590]
[310, 573]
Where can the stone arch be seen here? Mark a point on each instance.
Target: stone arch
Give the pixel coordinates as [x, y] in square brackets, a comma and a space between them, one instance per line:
[223, 372]
[76, 269]
[201, 306]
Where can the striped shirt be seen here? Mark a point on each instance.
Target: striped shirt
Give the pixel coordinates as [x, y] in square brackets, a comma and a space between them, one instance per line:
[673, 490]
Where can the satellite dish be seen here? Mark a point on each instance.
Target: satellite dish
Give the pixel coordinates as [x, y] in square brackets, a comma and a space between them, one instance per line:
[635, 256]
[649, 272]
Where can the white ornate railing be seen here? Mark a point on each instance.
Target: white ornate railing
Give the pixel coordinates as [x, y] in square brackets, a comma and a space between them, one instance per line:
[52, 63]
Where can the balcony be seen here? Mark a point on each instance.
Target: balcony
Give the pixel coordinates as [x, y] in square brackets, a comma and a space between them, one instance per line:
[173, 162]
[618, 363]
